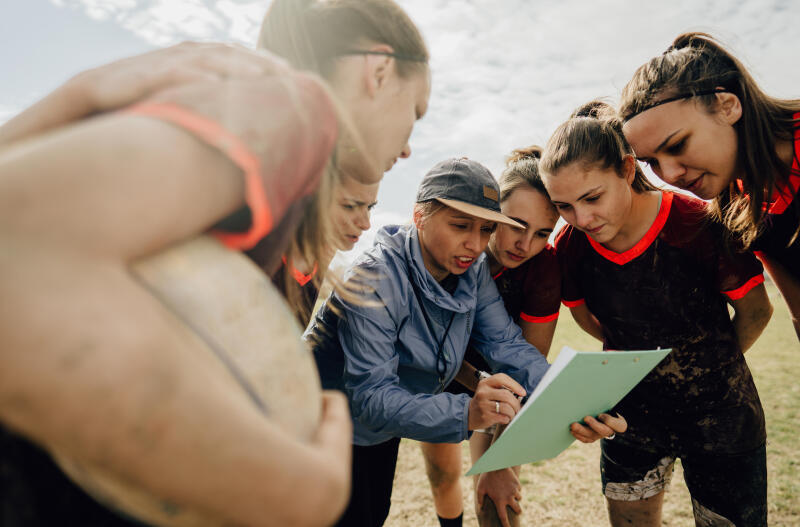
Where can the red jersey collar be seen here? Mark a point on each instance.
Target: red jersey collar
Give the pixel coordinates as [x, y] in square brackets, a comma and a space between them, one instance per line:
[648, 238]
[300, 277]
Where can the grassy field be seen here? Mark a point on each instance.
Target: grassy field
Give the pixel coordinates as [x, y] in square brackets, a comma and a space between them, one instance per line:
[566, 491]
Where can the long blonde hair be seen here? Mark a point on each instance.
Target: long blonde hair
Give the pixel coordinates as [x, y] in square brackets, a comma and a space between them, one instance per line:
[311, 35]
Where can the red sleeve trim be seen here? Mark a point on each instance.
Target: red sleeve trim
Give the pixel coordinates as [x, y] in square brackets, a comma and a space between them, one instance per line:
[229, 144]
[573, 303]
[503, 270]
[740, 292]
[642, 245]
[538, 320]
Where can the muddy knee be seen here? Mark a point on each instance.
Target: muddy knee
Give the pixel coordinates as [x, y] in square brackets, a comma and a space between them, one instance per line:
[441, 477]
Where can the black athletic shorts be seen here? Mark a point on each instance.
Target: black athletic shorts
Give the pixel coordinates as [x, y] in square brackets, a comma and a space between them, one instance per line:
[729, 487]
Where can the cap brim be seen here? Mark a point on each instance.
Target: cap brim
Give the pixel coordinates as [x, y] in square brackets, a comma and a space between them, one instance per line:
[480, 212]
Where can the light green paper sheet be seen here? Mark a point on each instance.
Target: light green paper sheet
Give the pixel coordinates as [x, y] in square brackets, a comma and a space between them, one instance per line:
[578, 384]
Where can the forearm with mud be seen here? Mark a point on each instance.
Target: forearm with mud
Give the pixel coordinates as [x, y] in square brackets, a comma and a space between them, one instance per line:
[751, 315]
[95, 369]
[788, 286]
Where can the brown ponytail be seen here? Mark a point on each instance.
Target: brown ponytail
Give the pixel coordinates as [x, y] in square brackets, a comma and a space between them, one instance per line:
[592, 135]
[522, 169]
[697, 64]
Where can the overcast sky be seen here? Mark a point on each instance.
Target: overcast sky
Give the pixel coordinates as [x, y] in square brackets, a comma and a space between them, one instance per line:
[505, 72]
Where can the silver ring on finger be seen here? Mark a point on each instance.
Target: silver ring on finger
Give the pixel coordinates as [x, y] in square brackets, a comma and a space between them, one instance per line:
[497, 407]
[612, 436]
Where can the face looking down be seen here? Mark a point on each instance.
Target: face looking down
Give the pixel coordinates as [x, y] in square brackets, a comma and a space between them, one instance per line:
[688, 146]
[512, 246]
[383, 105]
[350, 211]
[592, 198]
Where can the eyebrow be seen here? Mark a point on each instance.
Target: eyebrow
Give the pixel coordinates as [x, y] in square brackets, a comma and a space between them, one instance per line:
[359, 202]
[665, 141]
[521, 221]
[590, 191]
[595, 189]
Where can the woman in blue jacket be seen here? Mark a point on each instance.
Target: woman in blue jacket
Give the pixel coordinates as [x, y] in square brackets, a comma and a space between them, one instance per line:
[419, 296]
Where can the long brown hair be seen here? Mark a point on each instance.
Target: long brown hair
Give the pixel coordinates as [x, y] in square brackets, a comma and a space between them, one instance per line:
[311, 35]
[696, 63]
[592, 136]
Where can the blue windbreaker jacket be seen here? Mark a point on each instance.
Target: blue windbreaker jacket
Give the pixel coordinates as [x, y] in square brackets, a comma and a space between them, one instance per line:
[381, 353]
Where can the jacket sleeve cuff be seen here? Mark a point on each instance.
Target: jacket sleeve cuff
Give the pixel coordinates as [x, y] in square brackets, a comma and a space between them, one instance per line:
[465, 433]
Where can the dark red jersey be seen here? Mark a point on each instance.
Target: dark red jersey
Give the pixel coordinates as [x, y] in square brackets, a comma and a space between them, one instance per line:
[783, 219]
[670, 291]
[532, 291]
[281, 161]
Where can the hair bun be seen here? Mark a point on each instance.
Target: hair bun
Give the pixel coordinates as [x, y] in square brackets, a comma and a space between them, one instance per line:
[521, 154]
[596, 109]
[693, 39]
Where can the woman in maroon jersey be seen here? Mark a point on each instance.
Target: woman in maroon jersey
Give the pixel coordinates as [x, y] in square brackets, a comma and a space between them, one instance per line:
[526, 273]
[701, 122]
[219, 139]
[641, 269]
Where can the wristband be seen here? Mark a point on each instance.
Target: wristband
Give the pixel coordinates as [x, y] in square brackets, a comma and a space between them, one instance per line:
[480, 375]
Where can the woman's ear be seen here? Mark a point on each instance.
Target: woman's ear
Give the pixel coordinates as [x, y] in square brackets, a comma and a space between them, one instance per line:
[729, 107]
[416, 217]
[378, 68]
[629, 168]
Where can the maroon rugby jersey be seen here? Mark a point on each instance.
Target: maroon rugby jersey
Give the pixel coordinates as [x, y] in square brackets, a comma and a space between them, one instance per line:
[282, 166]
[532, 291]
[670, 291]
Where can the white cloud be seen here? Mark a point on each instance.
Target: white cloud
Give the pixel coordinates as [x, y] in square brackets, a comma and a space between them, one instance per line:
[505, 74]
[165, 22]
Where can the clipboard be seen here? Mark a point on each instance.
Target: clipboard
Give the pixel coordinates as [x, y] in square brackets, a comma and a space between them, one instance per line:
[577, 384]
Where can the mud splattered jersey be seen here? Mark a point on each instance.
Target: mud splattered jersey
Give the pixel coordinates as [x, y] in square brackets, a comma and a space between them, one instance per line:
[670, 290]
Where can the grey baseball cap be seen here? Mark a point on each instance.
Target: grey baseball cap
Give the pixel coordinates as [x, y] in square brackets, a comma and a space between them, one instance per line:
[464, 185]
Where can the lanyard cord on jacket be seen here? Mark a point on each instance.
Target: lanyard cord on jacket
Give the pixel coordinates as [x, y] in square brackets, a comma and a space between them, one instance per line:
[441, 360]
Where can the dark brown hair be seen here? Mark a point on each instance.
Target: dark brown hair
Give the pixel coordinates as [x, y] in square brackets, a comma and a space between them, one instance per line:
[697, 63]
[592, 136]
